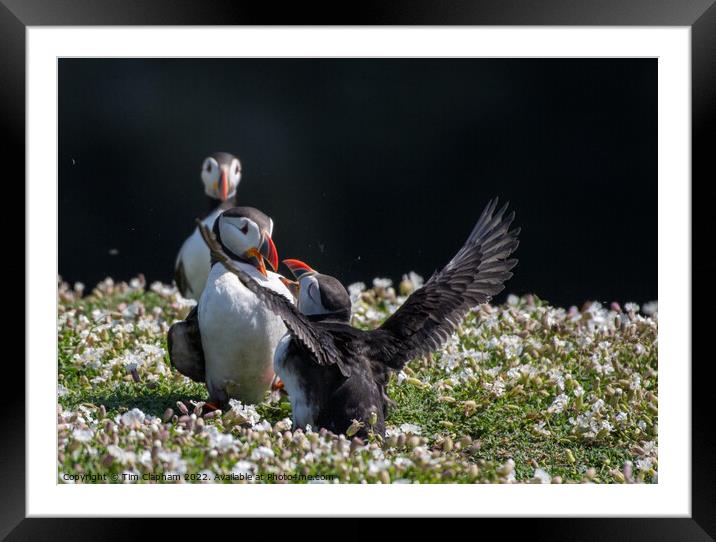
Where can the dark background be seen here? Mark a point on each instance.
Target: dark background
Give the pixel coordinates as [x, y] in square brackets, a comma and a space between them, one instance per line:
[368, 167]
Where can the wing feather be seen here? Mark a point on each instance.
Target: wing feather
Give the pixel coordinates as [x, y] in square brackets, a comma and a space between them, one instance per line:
[319, 343]
[474, 275]
[186, 354]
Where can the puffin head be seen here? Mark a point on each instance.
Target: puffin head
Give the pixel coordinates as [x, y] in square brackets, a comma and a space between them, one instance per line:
[318, 296]
[245, 235]
[221, 173]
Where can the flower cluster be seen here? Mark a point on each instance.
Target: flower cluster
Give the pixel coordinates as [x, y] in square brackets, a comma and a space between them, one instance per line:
[522, 392]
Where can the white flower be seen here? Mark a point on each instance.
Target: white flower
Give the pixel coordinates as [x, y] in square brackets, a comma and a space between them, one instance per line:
[411, 428]
[512, 345]
[651, 308]
[540, 428]
[132, 310]
[245, 412]
[184, 303]
[98, 314]
[82, 435]
[355, 290]
[416, 280]
[124, 457]
[542, 476]
[644, 464]
[374, 467]
[262, 452]
[172, 460]
[163, 290]
[217, 439]
[635, 383]
[382, 283]
[631, 307]
[134, 418]
[136, 283]
[497, 388]
[401, 461]
[284, 425]
[153, 350]
[263, 425]
[558, 404]
[90, 356]
[145, 459]
[557, 377]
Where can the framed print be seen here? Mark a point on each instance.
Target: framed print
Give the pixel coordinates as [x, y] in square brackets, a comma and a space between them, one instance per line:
[404, 265]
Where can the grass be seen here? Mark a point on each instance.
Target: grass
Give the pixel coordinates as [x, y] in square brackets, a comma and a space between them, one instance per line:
[523, 392]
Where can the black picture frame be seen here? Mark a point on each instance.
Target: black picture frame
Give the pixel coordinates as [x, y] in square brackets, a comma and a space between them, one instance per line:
[699, 15]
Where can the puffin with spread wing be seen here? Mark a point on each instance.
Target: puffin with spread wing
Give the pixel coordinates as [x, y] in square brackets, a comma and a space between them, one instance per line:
[336, 375]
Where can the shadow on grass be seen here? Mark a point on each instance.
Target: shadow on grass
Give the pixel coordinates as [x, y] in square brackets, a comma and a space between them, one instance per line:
[149, 401]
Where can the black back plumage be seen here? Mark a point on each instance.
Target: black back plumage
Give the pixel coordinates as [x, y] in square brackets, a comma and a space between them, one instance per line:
[186, 353]
[421, 325]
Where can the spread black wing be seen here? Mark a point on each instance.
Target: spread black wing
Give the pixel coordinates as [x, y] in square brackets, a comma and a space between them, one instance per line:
[185, 351]
[318, 342]
[431, 314]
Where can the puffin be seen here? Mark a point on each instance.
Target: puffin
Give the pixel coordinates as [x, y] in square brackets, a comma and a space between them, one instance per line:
[229, 338]
[336, 375]
[221, 174]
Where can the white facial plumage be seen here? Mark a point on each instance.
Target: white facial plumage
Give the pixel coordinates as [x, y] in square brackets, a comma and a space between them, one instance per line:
[239, 234]
[309, 297]
[211, 172]
[234, 176]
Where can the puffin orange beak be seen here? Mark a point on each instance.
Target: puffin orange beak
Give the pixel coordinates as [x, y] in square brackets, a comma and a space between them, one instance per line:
[268, 251]
[298, 268]
[223, 186]
[256, 255]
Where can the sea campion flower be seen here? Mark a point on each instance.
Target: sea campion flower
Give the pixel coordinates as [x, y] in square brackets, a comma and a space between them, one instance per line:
[133, 419]
[558, 405]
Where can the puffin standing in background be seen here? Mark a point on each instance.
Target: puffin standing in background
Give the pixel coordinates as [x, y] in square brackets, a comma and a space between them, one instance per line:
[228, 340]
[336, 375]
[221, 174]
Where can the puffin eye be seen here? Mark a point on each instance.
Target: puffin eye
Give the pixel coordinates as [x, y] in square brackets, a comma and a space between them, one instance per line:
[208, 167]
[245, 228]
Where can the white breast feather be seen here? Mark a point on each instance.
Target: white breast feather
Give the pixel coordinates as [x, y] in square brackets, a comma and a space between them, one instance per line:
[303, 412]
[239, 334]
